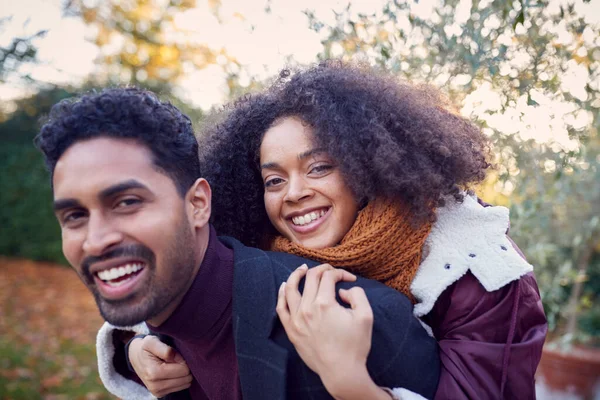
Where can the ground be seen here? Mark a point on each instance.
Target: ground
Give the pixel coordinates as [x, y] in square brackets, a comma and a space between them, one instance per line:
[48, 323]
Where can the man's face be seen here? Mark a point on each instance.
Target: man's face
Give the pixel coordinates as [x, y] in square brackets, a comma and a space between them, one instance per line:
[125, 229]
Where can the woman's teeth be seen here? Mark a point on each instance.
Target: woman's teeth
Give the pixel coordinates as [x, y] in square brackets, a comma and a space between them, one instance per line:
[110, 275]
[308, 218]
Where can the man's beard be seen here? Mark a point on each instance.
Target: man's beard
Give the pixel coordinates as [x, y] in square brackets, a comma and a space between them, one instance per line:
[156, 295]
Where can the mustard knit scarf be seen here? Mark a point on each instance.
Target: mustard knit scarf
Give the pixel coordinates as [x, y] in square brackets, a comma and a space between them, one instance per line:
[382, 245]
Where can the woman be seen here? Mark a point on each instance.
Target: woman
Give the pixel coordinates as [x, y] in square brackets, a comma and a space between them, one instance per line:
[347, 166]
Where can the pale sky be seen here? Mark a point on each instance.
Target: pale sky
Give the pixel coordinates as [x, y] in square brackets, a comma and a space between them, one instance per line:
[262, 43]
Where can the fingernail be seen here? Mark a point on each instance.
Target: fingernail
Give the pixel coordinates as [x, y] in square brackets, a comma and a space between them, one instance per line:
[303, 266]
[282, 287]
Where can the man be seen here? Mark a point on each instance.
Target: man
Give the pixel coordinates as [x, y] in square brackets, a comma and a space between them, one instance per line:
[135, 226]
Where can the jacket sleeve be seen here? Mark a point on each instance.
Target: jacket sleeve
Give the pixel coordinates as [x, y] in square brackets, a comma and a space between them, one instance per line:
[490, 342]
[112, 366]
[403, 355]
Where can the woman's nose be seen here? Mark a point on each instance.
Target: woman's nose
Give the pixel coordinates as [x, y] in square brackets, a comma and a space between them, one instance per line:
[298, 190]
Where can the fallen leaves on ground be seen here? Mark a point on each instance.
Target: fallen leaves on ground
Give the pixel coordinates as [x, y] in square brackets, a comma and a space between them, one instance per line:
[48, 325]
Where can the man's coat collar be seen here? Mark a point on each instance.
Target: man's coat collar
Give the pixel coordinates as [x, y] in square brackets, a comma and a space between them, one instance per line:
[262, 363]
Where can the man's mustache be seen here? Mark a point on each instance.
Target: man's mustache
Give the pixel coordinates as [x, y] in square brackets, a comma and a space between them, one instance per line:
[137, 251]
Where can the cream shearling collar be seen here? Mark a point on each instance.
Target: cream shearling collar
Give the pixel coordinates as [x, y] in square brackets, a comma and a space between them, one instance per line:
[114, 382]
[466, 237]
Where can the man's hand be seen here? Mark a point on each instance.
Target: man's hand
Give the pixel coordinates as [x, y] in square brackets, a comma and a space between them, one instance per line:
[162, 369]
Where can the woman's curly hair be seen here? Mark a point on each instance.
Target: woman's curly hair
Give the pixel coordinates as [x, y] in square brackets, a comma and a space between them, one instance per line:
[390, 139]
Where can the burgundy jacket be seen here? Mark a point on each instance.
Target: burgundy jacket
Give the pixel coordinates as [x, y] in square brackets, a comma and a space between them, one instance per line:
[490, 342]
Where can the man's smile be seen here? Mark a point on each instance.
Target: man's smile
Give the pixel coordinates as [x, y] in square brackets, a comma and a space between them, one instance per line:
[117, 275]
[119, 282]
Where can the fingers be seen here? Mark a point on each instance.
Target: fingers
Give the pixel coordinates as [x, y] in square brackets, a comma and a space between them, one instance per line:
[292, 293]
[154, 346]
[312, 282]
[328, 281]
[163, 388]
[178, 358]
[296, 301]
[159, 366]
[282, 306]
[165, 371]
[359, 302]
[156, 361]
[347, 276]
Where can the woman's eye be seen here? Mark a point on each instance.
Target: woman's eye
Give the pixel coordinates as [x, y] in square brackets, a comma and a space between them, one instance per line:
[273, 182]
[321, 169]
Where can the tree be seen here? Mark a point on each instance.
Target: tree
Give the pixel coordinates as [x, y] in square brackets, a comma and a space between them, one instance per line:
[20, 50]
[29, 227]
[141, 43]
[509, 61]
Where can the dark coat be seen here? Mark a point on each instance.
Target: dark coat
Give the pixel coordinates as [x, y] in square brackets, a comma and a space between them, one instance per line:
[402, 353]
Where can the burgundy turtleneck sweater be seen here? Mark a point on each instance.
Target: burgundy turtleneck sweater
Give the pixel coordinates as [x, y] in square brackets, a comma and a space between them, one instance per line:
[201, 327]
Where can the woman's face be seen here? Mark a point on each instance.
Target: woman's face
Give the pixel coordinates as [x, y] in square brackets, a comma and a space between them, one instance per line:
[306, 198]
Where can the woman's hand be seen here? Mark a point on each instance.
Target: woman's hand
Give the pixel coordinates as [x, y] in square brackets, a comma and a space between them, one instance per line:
[162, 369]
[332, 340]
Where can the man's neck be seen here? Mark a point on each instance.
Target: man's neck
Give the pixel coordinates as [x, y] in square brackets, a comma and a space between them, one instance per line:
[201, 244]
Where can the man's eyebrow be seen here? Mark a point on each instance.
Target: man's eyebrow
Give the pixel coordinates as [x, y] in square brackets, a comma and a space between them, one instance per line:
[61, 204]
[120, 187]
[301, 156]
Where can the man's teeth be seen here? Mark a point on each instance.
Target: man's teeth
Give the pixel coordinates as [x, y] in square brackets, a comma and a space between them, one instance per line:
[118, 272]
[308, 218]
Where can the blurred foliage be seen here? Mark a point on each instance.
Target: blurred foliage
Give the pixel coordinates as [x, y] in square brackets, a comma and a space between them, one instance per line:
[526, 55]
[29, 226]
[141, 42]
[20, 50]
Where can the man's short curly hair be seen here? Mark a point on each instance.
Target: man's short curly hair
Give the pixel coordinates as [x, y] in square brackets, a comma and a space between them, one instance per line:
[391, 139]
[125, 113]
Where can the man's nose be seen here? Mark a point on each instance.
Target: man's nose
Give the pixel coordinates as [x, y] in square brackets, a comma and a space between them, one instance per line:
[298, 190]
[101, 235]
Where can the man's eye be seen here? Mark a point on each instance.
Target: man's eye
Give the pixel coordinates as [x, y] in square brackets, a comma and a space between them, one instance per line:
[273, 182]
[127, 202]
[73, 216]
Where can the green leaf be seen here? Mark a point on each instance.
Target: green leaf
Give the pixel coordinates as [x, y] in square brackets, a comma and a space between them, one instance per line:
[531, 102]
[385, 52]
[520, 19]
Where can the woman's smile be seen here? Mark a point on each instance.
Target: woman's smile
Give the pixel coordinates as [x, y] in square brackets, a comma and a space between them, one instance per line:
[309, 221]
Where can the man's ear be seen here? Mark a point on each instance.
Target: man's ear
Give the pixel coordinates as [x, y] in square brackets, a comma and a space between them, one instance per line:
[198, 200]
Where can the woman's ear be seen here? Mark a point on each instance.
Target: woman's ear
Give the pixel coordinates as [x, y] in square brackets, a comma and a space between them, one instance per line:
[198, 200]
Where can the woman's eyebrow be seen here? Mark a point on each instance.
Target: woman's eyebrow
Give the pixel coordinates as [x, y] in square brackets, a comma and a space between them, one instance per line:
[301, 156]
[311, 152]
[270, 165]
